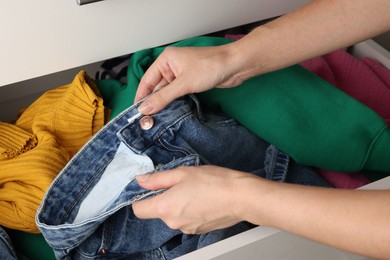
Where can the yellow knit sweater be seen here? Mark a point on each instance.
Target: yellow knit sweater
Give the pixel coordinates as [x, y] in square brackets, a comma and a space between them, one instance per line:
[34, 150]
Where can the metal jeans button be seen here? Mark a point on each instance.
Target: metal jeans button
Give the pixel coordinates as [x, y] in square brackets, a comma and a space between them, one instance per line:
[146, 122]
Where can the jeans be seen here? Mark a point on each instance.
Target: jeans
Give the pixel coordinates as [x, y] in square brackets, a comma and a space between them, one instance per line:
[7, 252]
[86, 212]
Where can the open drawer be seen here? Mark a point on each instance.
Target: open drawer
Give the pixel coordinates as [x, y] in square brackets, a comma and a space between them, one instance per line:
[271, 243]
[274, 244]
[262, 241]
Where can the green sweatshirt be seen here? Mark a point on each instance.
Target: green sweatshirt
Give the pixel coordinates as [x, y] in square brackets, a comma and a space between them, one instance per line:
[294, 109]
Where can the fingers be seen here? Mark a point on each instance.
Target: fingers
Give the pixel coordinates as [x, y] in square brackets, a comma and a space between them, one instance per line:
[146, 209]
[177, 72]
[149, 208]
[147, 83]
[159, 76]
[156, 76]
[160, 85]
[160, 99]
[159, 180]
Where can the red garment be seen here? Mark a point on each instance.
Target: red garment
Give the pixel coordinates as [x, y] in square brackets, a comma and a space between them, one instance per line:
[234, 36]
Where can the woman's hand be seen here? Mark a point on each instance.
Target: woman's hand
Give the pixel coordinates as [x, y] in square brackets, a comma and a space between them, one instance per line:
[205, 198]
[198, 199]
[318, 27]
[182, 70]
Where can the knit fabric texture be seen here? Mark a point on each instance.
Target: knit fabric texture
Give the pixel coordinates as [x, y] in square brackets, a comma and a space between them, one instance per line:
[34, 150]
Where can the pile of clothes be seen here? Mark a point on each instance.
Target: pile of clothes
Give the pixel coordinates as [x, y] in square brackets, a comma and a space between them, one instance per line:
[322, 123]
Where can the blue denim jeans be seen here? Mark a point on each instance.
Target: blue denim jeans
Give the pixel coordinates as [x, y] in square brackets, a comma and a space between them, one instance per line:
[7, 252]
[86, 212]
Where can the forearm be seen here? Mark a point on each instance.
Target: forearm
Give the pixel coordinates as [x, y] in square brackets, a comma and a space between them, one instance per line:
[318, 27]
[353, 220]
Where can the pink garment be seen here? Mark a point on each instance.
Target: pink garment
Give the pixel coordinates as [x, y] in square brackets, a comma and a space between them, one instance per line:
[344, 180]
[365, 80]
[234, 36]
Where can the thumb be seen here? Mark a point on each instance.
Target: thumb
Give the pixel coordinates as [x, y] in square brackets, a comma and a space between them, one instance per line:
[159, 180]
[161, 98]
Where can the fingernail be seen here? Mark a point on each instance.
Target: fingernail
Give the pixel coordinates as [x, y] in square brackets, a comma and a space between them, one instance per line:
[145, 108]
[142, 177]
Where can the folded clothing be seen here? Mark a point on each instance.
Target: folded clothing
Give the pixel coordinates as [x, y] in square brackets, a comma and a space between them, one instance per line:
[72, 113]
[294, 109]
[17, 142]
[367, 81]
[24, 180]
[41, 142]
[363, 79]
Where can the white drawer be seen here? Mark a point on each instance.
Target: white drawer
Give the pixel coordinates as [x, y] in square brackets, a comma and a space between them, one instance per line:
[259, 242]
[372, 50]
[274, 244]
[41, 37]
[44, 39]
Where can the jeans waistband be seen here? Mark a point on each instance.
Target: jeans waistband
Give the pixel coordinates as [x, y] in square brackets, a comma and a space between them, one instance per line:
[71, 185]
[139, 140]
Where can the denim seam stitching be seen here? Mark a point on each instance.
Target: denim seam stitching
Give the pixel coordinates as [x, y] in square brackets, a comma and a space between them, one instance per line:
[82, 191]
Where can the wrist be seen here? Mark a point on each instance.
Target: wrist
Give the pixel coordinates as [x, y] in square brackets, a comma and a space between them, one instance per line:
[255, 201]
[254, 54]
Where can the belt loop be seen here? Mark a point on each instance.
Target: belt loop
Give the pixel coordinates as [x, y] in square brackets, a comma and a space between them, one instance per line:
[276, 164]
[199, 113]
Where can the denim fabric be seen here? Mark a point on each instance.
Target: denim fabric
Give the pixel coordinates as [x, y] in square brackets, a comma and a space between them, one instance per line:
[280, 167]
[182, 135]
[7, 252]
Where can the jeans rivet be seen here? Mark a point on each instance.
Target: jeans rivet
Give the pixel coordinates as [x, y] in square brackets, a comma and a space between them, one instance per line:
[146, 122]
